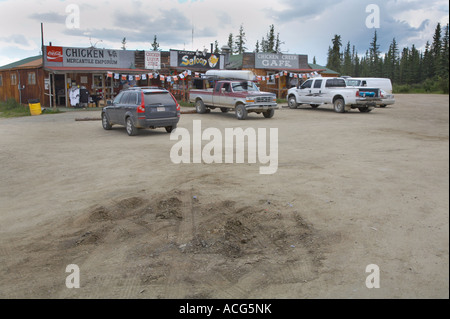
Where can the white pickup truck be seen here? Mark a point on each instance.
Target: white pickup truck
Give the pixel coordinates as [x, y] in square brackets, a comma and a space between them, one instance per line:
[384, 84]
[334, 91]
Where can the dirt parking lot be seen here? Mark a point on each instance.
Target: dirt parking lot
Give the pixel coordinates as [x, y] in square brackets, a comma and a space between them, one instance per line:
[351, 190]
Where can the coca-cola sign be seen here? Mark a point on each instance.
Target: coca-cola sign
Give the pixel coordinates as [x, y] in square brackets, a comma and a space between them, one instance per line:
[55, 54]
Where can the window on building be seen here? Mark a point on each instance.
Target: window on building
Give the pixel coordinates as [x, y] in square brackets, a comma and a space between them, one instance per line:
[31, 78]
[269, 75]
[13, 79]
[98, 80]
[1, 79]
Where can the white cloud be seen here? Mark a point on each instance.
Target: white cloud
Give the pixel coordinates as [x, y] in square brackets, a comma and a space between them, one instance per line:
[305, 27]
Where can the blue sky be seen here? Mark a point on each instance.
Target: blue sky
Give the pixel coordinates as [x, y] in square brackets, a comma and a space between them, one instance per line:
[305, 27]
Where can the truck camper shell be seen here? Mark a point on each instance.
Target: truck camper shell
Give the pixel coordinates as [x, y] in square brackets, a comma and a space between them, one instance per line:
[231, 75]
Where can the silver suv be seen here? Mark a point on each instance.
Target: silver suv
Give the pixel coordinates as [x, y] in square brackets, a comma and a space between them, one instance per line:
[140, 108]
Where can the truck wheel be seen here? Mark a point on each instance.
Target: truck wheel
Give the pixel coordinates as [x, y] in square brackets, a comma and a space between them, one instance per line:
[339, 106]
[224, 110]
[131, 129]
[365, 109]
[292, 102]
[241, 112]
[200, 107]
[269, 114]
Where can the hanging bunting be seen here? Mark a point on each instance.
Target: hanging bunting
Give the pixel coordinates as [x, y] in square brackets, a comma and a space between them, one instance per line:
[110, 74]
[144, 77]
[116, 76]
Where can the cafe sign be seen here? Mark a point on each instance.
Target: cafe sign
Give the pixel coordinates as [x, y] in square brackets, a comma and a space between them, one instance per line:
[276, 61]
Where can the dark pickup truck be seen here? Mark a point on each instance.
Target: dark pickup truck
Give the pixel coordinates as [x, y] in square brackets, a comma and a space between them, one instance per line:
[240, 95]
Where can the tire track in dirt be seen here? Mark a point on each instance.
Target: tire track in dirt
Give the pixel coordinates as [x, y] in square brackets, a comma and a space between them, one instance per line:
[174, 286]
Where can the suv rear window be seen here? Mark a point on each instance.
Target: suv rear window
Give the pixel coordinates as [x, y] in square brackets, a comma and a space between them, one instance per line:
[160, 98]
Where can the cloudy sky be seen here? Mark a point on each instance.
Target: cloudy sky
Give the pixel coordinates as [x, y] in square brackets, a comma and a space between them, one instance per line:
[305, 26]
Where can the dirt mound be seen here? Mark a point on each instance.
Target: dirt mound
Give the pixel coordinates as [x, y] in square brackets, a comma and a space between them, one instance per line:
[182, 239]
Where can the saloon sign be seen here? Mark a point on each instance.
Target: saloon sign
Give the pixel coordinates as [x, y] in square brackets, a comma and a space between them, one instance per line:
[276, 61]
[190, 59]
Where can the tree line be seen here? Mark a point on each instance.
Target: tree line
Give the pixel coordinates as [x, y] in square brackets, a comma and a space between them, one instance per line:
[271, 43]
[408, 68]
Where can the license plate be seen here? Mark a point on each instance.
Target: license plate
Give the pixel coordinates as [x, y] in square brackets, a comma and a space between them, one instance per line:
[160, 109]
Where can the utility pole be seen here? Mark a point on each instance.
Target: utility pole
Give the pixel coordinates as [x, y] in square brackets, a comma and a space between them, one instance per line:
[42, 41]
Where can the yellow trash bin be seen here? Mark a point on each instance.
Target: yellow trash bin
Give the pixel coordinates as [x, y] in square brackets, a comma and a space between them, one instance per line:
[35, 107]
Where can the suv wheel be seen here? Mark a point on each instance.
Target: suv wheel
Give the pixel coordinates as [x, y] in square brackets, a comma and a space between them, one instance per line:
[170, 129]
[105, 123]
[131, 129]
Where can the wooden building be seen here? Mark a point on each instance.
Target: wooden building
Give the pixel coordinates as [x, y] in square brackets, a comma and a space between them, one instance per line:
[23, 80]
[102, 72]
[270, 66]
[105, 72]
[326, 72]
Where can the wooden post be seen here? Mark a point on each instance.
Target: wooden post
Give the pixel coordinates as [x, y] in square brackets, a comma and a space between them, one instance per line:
[104, 77]
[66, 99]
[184, 91]
[112, 87]
[53, 89]
[279, 87]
